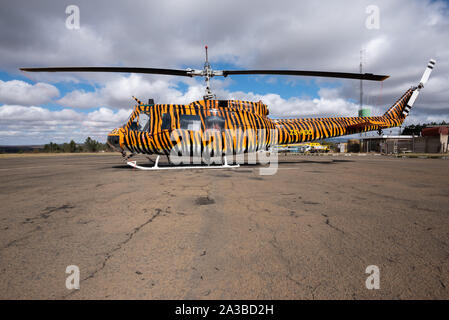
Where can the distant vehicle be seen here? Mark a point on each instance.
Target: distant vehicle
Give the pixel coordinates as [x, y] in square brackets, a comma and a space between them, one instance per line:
[316, 147]
[306, 148]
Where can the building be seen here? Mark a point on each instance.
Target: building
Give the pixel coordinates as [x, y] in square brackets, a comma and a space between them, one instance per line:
[436, 139]
[432, 140]
[388, 144]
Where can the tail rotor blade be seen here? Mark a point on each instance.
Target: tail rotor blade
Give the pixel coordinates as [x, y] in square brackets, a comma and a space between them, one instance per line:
[427, 72]
[415, 94]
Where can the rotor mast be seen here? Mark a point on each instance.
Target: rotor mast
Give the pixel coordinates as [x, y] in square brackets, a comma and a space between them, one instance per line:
[207, 74]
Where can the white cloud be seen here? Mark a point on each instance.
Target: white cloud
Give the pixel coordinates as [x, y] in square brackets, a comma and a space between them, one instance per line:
[35, 114]
[36, 125]
[20, 92]
[118, 92]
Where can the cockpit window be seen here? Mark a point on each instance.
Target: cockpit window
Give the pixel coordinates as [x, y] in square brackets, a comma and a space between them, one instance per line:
[190, 122]
[144, 121]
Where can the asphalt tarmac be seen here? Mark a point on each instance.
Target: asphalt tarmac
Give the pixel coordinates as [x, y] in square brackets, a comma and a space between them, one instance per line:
[307, 232]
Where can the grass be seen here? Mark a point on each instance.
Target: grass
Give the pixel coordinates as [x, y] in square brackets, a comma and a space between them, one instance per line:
[424, 155]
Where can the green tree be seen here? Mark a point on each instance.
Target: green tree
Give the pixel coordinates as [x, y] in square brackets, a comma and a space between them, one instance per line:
[91, 145]
[415, 129]
[51, 147]
[72, 146]
[65, 147]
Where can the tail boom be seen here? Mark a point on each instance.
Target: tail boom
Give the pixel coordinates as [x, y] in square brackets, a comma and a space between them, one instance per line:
[303, 130]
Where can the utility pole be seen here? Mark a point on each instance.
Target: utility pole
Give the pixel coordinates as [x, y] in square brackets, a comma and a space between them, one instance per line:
[361, 81]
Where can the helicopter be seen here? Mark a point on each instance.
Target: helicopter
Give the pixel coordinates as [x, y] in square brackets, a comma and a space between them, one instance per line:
[213, 128]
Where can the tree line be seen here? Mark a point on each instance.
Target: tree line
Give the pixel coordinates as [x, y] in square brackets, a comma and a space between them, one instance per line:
[89, 145]
[415, 129]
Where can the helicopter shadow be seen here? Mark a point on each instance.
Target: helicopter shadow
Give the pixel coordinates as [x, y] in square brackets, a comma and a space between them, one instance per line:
[242, 165]
[333, 161]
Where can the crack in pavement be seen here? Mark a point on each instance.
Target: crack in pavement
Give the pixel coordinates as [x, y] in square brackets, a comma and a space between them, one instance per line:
[331, 225]
[286, 261]
[25, 237]
[110, 254]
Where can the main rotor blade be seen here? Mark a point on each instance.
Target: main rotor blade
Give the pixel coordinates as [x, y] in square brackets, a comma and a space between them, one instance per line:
[172, 72]
[188, 73]
[363, 76]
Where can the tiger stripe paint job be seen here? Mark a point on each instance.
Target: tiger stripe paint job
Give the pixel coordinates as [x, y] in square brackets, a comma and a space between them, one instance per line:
[247, 127]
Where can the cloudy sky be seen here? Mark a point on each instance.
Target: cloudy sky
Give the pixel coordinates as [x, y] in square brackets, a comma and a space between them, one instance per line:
[37, 108]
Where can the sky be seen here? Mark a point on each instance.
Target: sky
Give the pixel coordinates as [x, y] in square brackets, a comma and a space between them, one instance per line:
[36, 108]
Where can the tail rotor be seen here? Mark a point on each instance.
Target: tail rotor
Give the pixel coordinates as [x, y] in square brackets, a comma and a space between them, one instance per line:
[424, 79]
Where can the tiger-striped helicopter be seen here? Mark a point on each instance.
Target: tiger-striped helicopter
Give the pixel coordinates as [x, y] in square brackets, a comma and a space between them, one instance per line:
[214, 129]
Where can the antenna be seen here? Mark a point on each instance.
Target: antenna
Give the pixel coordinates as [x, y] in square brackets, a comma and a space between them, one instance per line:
[207, 59]
[207, 75]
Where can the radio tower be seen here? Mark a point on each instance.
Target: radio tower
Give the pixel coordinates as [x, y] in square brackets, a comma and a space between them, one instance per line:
[361, 83]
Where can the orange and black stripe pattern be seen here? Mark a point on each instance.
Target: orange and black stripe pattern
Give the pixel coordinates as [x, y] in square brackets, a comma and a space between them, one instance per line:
[246, 127]
[303, 130]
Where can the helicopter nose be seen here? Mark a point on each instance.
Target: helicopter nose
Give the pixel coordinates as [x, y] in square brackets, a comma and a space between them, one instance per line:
[114, 140]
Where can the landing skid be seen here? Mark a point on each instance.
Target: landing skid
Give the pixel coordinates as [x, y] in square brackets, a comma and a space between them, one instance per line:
[156, 167]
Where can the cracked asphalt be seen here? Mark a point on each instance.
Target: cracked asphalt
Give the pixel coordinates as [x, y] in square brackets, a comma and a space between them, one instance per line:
[307, 232]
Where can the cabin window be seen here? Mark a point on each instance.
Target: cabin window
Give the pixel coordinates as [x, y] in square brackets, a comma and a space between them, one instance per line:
[215, 123]
[166, 121]
[191, 122]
